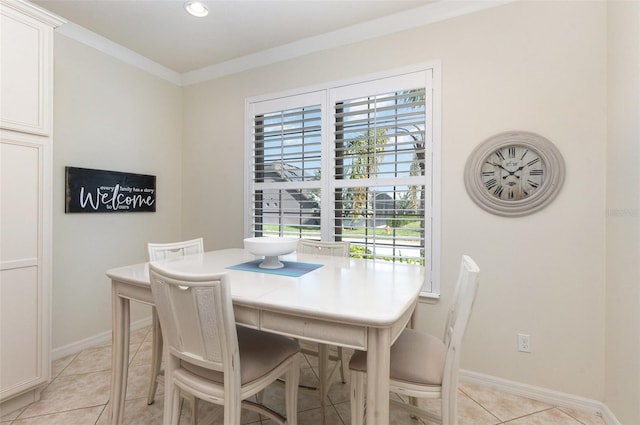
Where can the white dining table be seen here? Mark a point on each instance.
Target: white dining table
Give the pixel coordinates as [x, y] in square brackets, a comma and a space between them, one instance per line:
[356, 303]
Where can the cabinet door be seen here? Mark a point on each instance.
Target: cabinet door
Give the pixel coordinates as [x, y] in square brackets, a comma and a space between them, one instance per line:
[23, 298]
[25, 70]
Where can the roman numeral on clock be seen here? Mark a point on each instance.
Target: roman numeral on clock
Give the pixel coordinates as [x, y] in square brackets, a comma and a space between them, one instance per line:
[534, 161]
[489, 184]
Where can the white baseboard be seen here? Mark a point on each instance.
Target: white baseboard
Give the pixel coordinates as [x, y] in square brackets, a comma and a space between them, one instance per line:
[93, 341]
[13, 404]
[544, 395]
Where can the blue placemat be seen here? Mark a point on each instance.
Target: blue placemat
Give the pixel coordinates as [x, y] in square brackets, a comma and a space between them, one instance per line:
[291, 268]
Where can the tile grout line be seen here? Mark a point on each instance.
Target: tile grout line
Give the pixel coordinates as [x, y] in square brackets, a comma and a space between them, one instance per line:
[500, 421]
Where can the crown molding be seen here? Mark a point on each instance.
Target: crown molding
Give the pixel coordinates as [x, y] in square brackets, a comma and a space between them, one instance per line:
[431, 13]
[35, 12]
[104, 45]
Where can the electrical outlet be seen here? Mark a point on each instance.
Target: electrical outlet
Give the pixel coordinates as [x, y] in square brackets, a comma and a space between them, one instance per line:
[524, 343]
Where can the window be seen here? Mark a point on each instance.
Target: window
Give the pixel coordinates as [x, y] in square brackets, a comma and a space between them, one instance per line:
[351, 161]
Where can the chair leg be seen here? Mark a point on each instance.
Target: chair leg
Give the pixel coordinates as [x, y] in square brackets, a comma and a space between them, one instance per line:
[449, 404]
[194, 411]
[291, 391]
[156, 355]
[175, 406]
[171, 414]
[357, 397]
[232, 404]
[323, 372]
[413, 401]
[344, 362]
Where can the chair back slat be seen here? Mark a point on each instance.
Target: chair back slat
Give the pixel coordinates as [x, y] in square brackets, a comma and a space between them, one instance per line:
[332, 249]
[205, 298]
[164, 251]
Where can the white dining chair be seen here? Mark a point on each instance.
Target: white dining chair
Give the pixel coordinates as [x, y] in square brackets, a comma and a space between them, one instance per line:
[155, 252]
[423, 365]
[333, 249]
[211, 358]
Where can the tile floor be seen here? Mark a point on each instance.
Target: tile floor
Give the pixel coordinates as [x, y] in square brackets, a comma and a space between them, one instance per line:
[79, 395]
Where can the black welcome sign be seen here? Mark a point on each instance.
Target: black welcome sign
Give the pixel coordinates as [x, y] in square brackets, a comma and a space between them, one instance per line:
[90, 190]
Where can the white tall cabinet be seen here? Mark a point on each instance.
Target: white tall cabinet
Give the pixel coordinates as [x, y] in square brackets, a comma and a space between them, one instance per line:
[26, 143]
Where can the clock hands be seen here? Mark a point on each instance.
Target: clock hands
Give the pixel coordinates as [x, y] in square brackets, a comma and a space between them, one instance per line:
[497, 165]
[511, 173]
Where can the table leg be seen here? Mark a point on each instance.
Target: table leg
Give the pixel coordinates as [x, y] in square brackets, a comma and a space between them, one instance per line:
[120, 355]
[378, 358]
[156, 355]
[323, 370]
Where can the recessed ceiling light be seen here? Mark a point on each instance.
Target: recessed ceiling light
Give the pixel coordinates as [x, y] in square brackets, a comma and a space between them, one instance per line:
[196, 8]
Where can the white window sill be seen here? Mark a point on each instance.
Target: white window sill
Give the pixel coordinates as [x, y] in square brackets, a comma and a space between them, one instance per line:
[429, 298]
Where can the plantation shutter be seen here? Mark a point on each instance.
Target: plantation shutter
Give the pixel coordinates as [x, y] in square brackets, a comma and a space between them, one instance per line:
[379, 174]
[286, 168]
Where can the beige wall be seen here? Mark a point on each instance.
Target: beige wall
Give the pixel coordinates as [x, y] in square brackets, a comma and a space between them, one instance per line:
[536, 66]
[623, 212]
[111, 116]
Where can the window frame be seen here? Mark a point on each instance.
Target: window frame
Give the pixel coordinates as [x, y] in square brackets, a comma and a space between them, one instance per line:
[324, 93]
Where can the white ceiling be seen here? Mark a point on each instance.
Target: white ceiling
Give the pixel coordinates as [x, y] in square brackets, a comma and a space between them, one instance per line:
[160, 30]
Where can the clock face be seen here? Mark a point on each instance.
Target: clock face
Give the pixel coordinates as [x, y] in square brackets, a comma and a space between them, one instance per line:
[513, 172]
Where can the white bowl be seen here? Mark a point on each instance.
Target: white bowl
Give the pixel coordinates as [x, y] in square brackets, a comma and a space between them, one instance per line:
[270, 248]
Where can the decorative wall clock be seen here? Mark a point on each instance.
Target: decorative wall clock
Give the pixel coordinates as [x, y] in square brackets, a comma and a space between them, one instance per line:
[514, 173]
